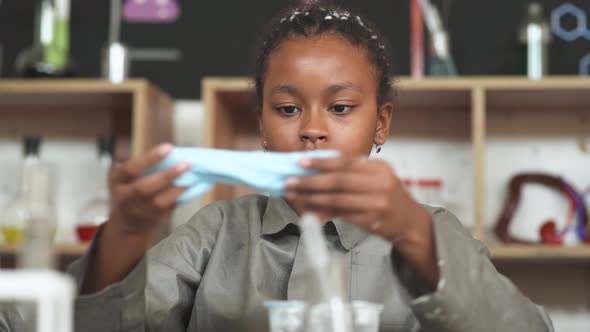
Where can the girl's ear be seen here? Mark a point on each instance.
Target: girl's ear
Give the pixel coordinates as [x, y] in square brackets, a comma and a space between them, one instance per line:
[384, 114]
[263, 141]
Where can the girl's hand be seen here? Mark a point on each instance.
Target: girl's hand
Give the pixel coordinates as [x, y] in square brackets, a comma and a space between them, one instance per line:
[366, 192]
[138, 203]
[363, 191]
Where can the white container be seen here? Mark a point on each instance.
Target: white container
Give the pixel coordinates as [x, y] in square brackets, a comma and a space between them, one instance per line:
[286, 316]
[361, 316]
[365, 316]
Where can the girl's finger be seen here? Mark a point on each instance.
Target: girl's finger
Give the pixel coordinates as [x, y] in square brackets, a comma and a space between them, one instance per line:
[331, 164]
[134, 167]
[333, 182]
[332, 203]
[152, 184]
[167, 199]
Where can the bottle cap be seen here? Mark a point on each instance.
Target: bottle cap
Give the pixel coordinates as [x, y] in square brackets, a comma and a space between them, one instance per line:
[105, 145]
[535, 9]
[31, 145]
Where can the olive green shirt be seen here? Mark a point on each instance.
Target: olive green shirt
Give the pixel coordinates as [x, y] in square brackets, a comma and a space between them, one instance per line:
[215, 272]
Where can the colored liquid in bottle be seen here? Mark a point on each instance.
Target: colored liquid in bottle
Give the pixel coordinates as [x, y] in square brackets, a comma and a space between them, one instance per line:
[13, 235]
[86, 232]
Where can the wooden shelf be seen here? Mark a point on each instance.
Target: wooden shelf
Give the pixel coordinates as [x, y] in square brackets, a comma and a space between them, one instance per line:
[240, 84]
[60, 249]
[465, 109]
[134, 110]
[73, 85]
[539, 252]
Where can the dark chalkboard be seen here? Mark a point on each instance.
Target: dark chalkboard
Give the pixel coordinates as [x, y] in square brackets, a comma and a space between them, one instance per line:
[216, 38]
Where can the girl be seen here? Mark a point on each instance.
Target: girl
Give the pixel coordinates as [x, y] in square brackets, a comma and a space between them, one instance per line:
[323, 82]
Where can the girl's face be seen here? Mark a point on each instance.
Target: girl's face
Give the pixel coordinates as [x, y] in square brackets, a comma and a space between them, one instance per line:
[321, 93]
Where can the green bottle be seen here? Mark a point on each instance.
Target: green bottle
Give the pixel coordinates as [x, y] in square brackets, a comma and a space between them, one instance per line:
[49, 54]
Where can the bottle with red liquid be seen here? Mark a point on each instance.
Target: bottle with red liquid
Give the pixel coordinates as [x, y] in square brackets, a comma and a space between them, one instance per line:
[96, 211]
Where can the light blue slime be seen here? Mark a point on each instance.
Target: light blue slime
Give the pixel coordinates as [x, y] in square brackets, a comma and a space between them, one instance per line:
[263, 171]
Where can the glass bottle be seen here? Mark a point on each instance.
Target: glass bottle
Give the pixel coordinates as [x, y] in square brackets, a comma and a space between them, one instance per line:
[96, 211]
[49, 54]
[534, 38]
[40, 221]
[441, 62]
[16, 212]
[39, 215]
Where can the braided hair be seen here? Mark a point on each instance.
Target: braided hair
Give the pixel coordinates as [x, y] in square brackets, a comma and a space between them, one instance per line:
[313, 20]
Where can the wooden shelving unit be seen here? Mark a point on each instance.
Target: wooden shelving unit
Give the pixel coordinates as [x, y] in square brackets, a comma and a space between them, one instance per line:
[64, 254]
[60, 249]
[539, 252]
[135, 112]
[459, 108]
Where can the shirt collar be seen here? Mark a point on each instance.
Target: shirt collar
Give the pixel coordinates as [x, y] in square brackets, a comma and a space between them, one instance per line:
[349, 234]
[278, 214]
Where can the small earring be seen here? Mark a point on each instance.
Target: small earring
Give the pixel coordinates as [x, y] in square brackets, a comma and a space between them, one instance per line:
[378, 148]
[264, 146]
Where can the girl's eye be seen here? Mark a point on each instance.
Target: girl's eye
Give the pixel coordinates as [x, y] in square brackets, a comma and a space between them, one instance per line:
[340, 108]
[288, 110]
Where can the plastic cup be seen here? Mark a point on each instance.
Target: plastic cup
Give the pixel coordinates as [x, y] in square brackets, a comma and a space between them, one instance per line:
[366, 316]
[360, 316]
[286, 316]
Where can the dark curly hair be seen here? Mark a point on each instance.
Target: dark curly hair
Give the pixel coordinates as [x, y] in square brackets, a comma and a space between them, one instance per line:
[315, 19]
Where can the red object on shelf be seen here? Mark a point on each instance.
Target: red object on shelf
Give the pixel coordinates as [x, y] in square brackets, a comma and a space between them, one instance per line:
[86, 232]
[430, 183]
[548, 233]
[408, 183]
[416, 40]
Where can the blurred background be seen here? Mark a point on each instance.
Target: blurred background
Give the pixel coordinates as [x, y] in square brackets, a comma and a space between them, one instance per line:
[217, 38]
[487, 90]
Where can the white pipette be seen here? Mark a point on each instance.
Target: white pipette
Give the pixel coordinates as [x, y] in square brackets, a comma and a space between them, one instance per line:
[431, 16]
[314, 243]
[438, 35]
[318, 255]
